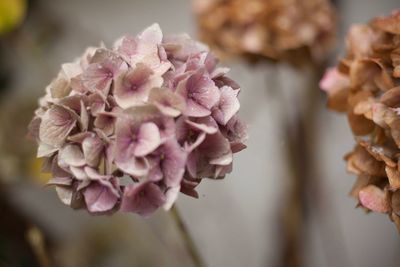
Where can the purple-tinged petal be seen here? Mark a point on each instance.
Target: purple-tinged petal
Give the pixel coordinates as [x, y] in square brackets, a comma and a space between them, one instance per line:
[148, 139]
[106, 122]
[71, 155]
[59, 87]
[227, 106]
[79, 137]
[169, 103]
[78, 173]
[236, 132]
[172, 162]
[216, 149]
[84, 117]
[204, 124]
[189, 136]
[105, 65]
[99, 198]
[225, 81]
[124, 151]
[94, 174]
[56, 124]
[136, 167]
[188, 186]
[96, 103]
[180, 47]
[92, 148]
[56, 170]
[133, 87]
[143, 199]
[200, 93]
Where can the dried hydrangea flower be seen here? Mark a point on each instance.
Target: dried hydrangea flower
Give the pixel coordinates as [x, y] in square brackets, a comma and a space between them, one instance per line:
[292, 30]
[128, 128]
[366, 85]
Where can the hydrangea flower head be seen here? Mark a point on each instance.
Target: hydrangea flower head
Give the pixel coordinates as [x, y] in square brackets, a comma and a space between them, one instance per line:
[297, 31]
[128, 128]
[365, 85]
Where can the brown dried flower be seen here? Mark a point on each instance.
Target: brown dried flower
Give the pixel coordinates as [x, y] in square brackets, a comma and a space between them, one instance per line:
[366, 85]
[291, 30]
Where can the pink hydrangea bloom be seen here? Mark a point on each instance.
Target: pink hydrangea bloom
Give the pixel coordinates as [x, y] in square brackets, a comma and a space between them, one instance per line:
[128, 128]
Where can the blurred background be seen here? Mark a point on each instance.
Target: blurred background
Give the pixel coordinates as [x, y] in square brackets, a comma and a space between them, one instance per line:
[235, 222]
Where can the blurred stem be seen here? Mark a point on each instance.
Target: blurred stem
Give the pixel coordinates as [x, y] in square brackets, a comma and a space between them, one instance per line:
[189, 243]
[299, 132]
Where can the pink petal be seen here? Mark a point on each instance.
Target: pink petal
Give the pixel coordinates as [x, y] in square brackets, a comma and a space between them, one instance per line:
[56, 124]
[133, 88]
[204, 124]
[143, 198]
[173, 160]
[169, 103]
[98, 198]
[148, 139]
[333, 80]
[228, 105]
[92, 148]
[374, 199]
[71, 155]
[200, 93]
[217, 149]
[152, 34]
[105, 121]
[96, 103]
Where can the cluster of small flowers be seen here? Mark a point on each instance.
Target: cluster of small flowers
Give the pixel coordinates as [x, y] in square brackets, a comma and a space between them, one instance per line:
[365, 85]
[128, 128]
[296, 31]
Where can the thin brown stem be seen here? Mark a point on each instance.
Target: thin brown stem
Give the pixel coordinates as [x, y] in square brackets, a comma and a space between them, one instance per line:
[189, 243]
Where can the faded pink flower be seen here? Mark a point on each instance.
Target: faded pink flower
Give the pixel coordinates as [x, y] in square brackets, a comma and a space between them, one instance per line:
[157, 112]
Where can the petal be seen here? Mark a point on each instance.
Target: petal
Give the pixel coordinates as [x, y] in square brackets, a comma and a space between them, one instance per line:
[71, 155]
[99, 198]
[148, 139]
[374, 199]
[143, 198]
[45, 150]
[217, 149]
[152, 34]
[228, 105]
[65, 194]
[105, 121]
[56, 124]
[173, 161]
[200, 93]
[92, 148]
[167, 102]
[133, 87]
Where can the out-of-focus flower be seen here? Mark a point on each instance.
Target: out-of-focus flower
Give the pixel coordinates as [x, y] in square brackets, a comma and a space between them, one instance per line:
[290, 30]
[365, 85]
[12, 12]
[130, 127]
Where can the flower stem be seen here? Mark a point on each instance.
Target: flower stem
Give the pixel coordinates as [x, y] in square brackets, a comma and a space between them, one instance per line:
[189, 243]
